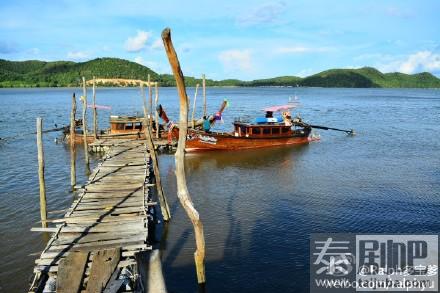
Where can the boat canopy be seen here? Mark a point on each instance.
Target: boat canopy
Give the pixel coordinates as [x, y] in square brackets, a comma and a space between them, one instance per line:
[281, 107]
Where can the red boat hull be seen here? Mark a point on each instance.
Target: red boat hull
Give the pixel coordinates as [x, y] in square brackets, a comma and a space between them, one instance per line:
[197, 142]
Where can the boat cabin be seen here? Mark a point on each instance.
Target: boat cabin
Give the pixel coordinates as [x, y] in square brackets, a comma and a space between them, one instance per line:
[261, 130]
[125, 124]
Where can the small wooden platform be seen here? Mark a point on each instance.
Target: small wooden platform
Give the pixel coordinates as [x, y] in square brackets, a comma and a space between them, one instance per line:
[105, 144]
[100, 235]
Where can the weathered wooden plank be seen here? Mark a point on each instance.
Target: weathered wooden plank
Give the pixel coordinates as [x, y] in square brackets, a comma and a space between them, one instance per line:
[103, 265]
[91, 238]
[70, 272]
[95, 218]
[65, 249]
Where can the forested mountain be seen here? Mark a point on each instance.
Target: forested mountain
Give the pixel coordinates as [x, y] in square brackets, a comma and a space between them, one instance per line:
[66, 73]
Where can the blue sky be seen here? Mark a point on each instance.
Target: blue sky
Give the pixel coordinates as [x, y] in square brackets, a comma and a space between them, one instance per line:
[235, 39]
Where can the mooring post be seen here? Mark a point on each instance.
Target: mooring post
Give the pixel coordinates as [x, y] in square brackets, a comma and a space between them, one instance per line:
[204, 94]
[182, 189]
[150, 144]
[156, 101]
[95, 113]
[72, 144]
[84, 122]
[150, 102]
[194, 106]
[43, 211]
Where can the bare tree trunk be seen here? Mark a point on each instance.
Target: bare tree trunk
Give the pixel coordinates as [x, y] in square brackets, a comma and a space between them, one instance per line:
[182, 189]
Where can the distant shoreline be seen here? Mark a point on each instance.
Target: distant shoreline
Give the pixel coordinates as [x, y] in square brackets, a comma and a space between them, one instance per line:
[226, 87]
[119, 72]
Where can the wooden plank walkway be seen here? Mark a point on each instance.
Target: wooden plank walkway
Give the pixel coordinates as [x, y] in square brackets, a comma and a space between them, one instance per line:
[104, 228]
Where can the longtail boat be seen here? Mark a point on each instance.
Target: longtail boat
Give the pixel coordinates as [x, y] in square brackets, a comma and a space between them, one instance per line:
[124, 127]
[268, 131]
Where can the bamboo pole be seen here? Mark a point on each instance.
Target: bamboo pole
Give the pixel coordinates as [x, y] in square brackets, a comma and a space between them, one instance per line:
[84, 118]
[156, 101]
[204, 94]
[194, 106]
[182, 189]
[72, 144]
[149, 138]
[150, 101]
[95, 113]
[43, 211]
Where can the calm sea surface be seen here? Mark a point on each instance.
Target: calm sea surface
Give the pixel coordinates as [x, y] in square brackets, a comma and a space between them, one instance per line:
[258, 207]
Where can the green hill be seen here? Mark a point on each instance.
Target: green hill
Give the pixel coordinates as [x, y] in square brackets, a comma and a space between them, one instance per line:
[367, 77]
[35, 73]
[63, 73]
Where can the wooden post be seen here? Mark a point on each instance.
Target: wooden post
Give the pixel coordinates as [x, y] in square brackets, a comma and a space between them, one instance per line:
[43, 212]
[84, 118]
[95, 113]
[149, 138]
[194, 106]
[204, 94]
[72, 144]
[150, 101]
[182, 189]
[156, 101]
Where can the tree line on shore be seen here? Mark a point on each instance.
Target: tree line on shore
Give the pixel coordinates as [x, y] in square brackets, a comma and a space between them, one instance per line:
[35, 73]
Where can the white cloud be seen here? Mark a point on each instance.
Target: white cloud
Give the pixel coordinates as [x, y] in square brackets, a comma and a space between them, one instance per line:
[301, 49]
[263, 14]
[157, 44]
[305, 72]
[138, 42]
[155, 66]
[139, 60]
[414, 63]
[421, 61]
[77, 55]
[236, 59]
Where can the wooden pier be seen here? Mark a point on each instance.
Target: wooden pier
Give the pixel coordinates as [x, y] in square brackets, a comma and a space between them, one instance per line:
[105, 231]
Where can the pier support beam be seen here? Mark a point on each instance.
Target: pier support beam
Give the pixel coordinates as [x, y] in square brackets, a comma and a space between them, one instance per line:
[194, 106]
[150, 102]
[204, 94]
[156, 102]
[150, 144]
[84, 122]
[95, 113]
[72, 144]
[182, 189]
[43, 211]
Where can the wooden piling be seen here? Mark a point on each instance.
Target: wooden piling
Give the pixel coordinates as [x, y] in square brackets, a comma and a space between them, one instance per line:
[72, 144]
[182, 189]
[84, 122]
[95, 113]
[43, 211]
[156, 101]
[194, 106]
[150, 102]
[150, 144]
[204, 94]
